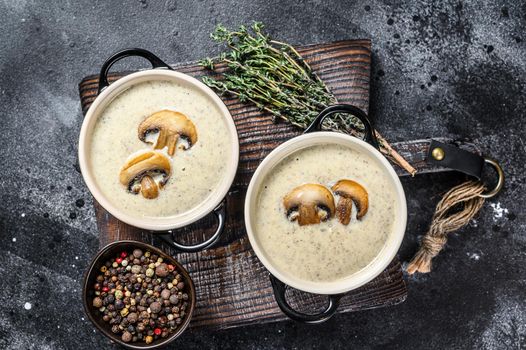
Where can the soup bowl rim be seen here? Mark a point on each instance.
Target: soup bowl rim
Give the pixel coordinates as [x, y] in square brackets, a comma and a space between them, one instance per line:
[104, 99]
[355, 280]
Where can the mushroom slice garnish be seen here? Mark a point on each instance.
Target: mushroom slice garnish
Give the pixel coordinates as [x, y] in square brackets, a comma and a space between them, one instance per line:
[146, 172]
[350, 191]
[309, 204]
[171, 126]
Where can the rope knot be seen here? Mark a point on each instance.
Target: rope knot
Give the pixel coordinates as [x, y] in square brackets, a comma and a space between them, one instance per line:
[468, 196]
[433, 245]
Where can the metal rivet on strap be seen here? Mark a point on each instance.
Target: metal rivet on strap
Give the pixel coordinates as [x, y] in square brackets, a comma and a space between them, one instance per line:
[438, 153]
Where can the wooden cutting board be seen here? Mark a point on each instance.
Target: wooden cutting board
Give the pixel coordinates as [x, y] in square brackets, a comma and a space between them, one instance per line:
[233, 287]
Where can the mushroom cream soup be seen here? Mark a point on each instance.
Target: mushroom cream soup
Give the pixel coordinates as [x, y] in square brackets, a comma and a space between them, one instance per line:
[159, 149]
[306, 242]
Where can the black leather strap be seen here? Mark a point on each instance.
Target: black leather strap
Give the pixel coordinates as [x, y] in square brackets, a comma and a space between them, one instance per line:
[452, 157]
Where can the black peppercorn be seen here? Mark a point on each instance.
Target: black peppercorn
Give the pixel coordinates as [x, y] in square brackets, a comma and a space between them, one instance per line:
[155, 307]
[97, 302]
[137, 253]
[119, 304]
[132, 317]
[162, 270]
[165, 294]
[126, 337]
[174, 299]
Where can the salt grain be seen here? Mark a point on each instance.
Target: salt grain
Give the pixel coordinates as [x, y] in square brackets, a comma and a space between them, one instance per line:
[498, 211]
[473, 256]
[27, 306]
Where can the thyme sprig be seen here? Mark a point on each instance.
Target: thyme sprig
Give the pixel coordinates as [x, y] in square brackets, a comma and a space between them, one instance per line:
[273, 75]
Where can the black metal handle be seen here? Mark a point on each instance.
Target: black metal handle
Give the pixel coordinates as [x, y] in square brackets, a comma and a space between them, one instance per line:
[220, 212]
[279, 294]
[370, 135]
[154, 60]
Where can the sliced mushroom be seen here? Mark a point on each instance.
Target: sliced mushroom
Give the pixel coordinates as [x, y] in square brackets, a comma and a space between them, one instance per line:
[171, 126]
[149, 188]
[309, 204]
[350, 191]
[146, 173]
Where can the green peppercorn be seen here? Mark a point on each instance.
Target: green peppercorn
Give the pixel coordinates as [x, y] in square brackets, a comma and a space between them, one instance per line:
[124, 312]
[150, 272]
[118, 294]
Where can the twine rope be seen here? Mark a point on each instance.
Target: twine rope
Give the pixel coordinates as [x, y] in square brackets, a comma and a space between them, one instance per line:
[466, 195]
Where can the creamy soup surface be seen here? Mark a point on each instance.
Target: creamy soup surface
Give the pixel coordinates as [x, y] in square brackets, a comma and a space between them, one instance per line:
[327, 251]
[196, 172]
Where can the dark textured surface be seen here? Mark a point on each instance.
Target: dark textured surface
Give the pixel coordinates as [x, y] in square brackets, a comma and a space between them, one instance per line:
[446, 68]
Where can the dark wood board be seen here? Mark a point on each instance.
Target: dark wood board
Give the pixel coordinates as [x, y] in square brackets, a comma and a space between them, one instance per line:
[232, 285]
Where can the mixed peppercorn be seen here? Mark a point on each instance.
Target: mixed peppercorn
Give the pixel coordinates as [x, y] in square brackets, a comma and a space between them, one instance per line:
[140, 296]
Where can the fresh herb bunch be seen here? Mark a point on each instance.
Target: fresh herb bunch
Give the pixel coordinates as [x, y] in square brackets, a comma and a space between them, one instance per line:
[274, 76]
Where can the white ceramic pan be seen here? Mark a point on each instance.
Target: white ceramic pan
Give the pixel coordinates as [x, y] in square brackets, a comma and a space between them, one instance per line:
[161, 71]
[281, 280]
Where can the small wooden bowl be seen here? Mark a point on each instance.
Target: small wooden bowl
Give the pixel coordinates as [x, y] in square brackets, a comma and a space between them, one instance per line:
[110, 251]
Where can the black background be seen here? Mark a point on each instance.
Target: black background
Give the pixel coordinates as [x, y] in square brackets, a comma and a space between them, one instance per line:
[444, 68]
